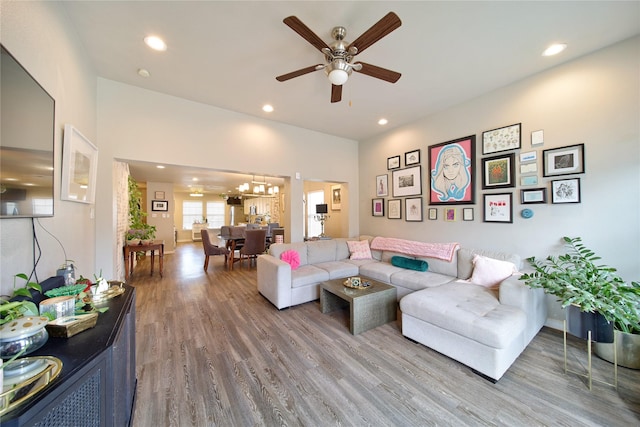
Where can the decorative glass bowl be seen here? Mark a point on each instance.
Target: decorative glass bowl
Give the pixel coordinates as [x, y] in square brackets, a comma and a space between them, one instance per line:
[26, 333]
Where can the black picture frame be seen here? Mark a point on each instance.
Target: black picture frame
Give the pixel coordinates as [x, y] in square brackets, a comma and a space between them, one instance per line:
[567, 160]
[394, 208]
[160, 205]
[532, 196]
[377, 207]
[498, 172]
[412, 157]
[407, 181]
[502, 139]
[498, 207]
[393, 162]
[413, 209]
[460, 188]
[565, 191]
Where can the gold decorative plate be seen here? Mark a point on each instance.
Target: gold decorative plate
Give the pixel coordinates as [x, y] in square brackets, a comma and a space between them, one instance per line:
[15, 394]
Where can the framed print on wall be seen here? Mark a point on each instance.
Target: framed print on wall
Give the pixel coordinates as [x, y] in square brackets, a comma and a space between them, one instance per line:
[467, 214]
[498, 207]
[394, 209]
[412, 157]
[449, 214]
[393, 162]
[336, 197]
[382, 185]
[377, 207]
[451, 172]
[407, 182]
[79, 167]
[498, 172]
[563, 161]
[413, 209]
[565, 191]
[159, 195]
[501, 139]
[160, 205]
[433, 214]
[533, 195]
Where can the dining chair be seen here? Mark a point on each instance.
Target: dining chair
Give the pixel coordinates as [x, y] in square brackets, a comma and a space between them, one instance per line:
[211, 249]
[270, 228]
[255, 243]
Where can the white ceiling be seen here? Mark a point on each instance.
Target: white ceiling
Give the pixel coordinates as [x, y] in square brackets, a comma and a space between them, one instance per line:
[228, 53]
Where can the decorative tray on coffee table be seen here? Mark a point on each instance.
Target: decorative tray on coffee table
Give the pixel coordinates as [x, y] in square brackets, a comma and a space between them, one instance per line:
[356, 283]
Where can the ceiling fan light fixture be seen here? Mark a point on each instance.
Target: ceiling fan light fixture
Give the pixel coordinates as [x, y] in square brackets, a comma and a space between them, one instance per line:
[338, 72]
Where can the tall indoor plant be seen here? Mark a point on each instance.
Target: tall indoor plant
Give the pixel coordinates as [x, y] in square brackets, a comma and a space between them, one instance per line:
[576, 280]
[138, 228]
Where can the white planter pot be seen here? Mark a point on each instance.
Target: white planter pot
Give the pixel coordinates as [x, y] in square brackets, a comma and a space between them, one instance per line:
[627, 349]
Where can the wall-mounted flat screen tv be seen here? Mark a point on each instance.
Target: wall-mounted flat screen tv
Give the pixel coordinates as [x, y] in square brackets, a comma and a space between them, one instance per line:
[26, 143]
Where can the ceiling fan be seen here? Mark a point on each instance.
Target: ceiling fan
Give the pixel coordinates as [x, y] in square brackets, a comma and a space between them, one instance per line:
[339, 55]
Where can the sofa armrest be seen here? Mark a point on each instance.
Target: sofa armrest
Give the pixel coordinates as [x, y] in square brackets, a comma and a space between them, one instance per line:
[515, 293]
[274, 280]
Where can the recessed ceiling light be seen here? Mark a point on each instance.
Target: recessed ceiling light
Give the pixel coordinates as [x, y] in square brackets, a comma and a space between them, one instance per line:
[155, 43]
[267, 108]
[383, 122]
[143, 72]
[160, 166]
[554, 49]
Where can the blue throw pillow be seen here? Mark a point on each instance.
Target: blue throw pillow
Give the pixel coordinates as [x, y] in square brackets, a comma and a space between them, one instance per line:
[409, 263]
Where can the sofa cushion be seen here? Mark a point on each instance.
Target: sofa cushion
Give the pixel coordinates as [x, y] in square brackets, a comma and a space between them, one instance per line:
[489, 272]
[409, 263]
[338, 269]
[441, 266]
[465, 260]
[308, 275]
[342, 250]
[321, 251]
[359, 249]
[380, 271]
[417, 280]
[468, 310]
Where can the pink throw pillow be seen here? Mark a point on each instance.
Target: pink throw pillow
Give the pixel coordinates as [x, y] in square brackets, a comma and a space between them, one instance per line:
[489, 272]
[359, 249]
[291, 257]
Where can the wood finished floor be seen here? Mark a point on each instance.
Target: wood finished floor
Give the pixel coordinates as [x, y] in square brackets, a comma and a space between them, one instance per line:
[211, 351]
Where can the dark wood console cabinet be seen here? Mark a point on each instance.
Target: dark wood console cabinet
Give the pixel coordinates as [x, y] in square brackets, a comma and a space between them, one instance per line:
[97, 384]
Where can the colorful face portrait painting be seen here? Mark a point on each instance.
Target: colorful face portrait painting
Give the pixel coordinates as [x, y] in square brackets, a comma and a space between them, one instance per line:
[452, 172]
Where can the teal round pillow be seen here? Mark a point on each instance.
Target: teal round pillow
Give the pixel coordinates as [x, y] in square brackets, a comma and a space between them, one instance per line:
[409, 263]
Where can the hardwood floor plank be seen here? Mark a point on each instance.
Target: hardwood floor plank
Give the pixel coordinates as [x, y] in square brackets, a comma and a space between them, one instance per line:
[211, 351]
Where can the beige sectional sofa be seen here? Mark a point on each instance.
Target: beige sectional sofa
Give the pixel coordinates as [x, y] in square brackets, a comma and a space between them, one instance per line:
[484, 328]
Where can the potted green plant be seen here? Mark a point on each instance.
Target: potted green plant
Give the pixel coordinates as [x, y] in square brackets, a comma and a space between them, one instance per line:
[139, 231]
[579, 283]
[10, 310]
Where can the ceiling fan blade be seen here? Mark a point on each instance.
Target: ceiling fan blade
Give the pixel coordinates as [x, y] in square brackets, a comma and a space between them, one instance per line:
[336, 93]
[299, 73]
[298, 26]
[380, 29]
[378, 72]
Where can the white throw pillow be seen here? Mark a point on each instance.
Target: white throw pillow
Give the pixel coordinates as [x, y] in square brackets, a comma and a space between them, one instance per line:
[359, 249]
[489, 272]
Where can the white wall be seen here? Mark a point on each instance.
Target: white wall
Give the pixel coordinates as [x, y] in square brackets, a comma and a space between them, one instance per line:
[37, 34]
[594, 100]
[138, 124]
